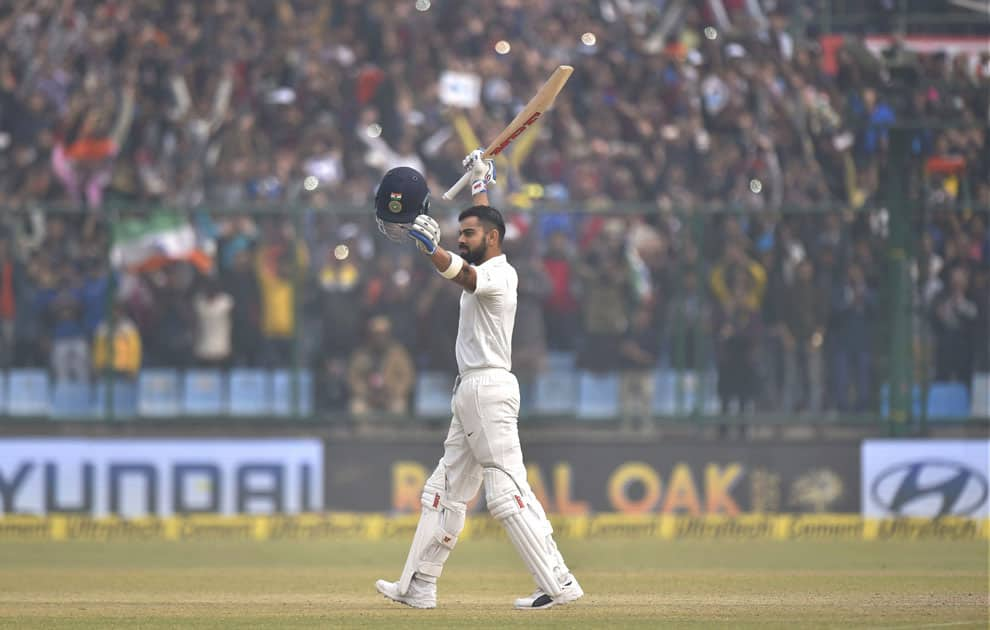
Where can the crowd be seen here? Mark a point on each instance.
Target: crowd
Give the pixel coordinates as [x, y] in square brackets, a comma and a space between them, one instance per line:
[674, 106]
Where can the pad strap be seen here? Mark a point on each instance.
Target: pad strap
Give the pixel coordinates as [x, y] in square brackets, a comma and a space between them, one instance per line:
[440, 522]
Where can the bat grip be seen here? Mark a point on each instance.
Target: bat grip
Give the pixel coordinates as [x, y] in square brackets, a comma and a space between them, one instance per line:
[456, 188]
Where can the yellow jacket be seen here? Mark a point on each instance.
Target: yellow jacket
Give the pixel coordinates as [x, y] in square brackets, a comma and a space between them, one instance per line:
[278, 308]
[126, 348]
[759, 284]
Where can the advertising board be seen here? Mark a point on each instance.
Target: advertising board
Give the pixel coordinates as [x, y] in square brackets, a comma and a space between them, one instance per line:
[925, 478]
[573, 479]
[133, 478]
[374, 527]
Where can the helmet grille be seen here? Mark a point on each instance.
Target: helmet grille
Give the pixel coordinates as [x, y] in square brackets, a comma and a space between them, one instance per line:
[393, 231]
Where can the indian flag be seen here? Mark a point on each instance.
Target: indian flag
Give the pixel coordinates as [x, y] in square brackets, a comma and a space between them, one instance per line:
[147, 243]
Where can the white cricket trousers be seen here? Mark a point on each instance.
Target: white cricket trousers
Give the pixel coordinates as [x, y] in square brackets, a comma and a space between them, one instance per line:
[484, 434]
[484, 431]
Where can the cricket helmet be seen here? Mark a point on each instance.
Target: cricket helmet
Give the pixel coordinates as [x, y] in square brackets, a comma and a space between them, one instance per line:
[402, 196]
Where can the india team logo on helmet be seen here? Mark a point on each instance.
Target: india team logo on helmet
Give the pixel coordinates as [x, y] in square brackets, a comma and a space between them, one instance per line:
[395, 202]
[402, 196]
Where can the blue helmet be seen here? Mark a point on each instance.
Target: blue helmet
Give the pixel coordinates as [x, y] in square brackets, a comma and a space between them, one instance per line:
[402, 196]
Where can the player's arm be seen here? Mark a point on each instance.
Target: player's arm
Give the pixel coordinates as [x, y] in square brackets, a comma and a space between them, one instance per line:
[467, 277]
[480, 198]
[426, 231]
[459, 271]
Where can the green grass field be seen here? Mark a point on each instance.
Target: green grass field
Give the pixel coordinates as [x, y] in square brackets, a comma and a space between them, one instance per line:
[629, 583]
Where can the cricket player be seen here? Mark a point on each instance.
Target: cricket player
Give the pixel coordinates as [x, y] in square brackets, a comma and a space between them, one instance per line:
[482, 445]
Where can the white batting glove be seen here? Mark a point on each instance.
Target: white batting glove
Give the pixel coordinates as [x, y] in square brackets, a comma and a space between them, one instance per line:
[482, 170]
[426, 232]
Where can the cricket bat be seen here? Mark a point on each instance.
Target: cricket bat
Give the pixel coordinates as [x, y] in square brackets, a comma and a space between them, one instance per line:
[535, 108]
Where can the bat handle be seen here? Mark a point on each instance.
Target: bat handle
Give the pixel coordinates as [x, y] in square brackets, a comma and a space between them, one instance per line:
[456, 188]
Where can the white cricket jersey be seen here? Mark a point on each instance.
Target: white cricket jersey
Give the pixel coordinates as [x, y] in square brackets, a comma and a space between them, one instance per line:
[484, 329]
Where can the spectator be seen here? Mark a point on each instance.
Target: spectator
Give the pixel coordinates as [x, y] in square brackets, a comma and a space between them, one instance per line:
[62, 306]
[11, 290]
[689, 324]
[82, 157]
[240, 282]
[639, 352]
[32, 345]
[529, 338]
[605, 298]
[279, 263]
[339, 281]
[739, 285]
[737, 334]
[213, 310]
[331, 385]
[209, 104]
[381, 373]
[804, 310]
[438, 312]
[853, 310]
[117, 345]
[748, 275]
[926, 272]
[561, 306]
[955, 317]
[391, 292]
[203, 106]
[95, 293]
[173, 319]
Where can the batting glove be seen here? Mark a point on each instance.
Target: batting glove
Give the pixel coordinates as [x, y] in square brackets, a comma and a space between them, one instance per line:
[482, 170]
[426, 232]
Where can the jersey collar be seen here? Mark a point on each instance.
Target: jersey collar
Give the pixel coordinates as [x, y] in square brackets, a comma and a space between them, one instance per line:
[497, 260]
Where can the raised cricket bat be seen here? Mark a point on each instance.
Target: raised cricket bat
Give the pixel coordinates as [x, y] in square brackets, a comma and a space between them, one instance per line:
[535, 108]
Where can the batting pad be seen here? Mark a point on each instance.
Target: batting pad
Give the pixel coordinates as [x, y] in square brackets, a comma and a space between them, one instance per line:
[525, 531]
[440, 523]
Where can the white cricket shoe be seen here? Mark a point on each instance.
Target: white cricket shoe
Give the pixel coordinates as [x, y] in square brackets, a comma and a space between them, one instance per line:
[421, 594]
[540, 600]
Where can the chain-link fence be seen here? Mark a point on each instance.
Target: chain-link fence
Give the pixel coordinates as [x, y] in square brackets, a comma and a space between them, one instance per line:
[627, 315]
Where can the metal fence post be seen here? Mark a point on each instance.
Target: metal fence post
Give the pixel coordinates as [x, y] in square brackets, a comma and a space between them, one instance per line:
[899, 178]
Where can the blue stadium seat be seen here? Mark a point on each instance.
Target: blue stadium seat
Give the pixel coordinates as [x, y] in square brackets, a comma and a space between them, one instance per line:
[709, 391]
[948, 400]
[678, 393]
[598, 396]
[555, 392]
[71, 400]
[159, 393]
[249, 392]
[282, 386]
[980, 404]
[558, 360]
[30, 393]
[433, 392]
[203, 393]
[665, 392]
[885, 400]
[125, 399]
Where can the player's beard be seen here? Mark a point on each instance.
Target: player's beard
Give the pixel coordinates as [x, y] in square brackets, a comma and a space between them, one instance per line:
[476, 255]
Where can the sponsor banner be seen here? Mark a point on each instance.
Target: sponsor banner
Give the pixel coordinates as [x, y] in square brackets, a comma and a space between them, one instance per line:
[134, 478]
[376, 527]
[26, 528]
[693, 478]
[925, 478]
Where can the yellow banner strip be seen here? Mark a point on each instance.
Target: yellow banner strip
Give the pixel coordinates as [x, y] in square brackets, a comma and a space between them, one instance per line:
[381, 527]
